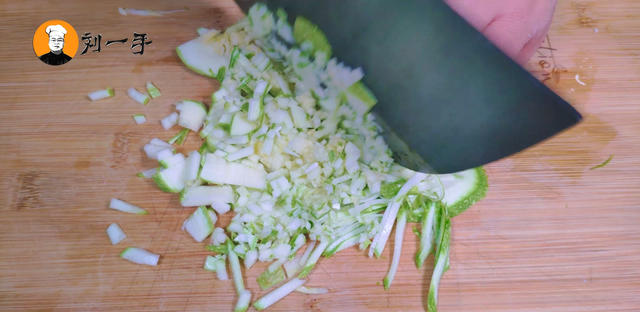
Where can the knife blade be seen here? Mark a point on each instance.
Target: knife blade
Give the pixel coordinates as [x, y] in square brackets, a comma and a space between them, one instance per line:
[449, 99]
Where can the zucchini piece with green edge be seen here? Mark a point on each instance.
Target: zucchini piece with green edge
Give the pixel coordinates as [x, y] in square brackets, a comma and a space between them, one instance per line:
[101, 94]
[140, 256]
[440, 267]
[172, 160]
[270, 278]
[206, 195]
[170, 180]
[401, 223]
[222, 71]
[243, 301]
[305, 30]
[427, 236]
[138, 96]
[126, 207]
[463, 189]
[200, 223]
[360, 97]
[204, 148]
[335, 245]
[210, 263]
[222, 249]
[153, 91]
[313, 258]
[235, 267]
[192, 114]
[200, 56]
[279, 293]
[140, 119]
[389, 189]
[240, 124]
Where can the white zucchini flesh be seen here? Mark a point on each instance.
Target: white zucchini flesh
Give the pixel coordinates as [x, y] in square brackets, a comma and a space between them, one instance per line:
[192, 166]
[240, 124]
[115, 233]
[221, 269]
[156, 141]
[172, 160]
[210, 264]
[254, 110]
[243, 301]
[101, 94]
[218, 237]
[299, 117]
[250, 258]
[155, 146]
[164, 154]
[279, 293]
[169, 121]
[218, 170]
[192, 114]
[207, 195]
[152, 150]
[200, 224]
[137, 96]
[126, 207]
[140, 256]
[245, 152]
[220, 207]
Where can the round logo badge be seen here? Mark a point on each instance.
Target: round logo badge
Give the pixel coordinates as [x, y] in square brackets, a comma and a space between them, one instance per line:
[55, 42]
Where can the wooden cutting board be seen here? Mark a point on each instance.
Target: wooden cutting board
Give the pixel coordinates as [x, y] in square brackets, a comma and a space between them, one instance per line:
[551, 236]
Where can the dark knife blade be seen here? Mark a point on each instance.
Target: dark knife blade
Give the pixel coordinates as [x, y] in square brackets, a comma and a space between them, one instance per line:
[449, 100]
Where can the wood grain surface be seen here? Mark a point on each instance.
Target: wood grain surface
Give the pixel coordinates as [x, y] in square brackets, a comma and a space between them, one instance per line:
[552, 235]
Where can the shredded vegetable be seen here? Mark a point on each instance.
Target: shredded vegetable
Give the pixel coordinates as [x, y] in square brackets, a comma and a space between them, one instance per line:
[125, 11]
[126, 207]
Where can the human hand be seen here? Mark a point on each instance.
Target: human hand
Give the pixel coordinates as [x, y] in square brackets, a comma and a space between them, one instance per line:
[517, 27]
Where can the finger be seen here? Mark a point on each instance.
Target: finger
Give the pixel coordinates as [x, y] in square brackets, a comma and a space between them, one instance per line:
[529, 49]
[509, 32]
[540, 33]
[479, 15]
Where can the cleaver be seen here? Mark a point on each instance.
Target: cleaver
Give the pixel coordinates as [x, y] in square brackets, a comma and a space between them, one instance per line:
[448, 99]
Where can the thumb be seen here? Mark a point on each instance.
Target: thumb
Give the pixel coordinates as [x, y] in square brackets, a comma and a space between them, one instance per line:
[508, 33]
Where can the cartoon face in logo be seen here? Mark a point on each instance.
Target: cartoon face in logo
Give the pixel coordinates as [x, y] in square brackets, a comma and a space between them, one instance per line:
[56, 42]
[56, 38]
[52, 40]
